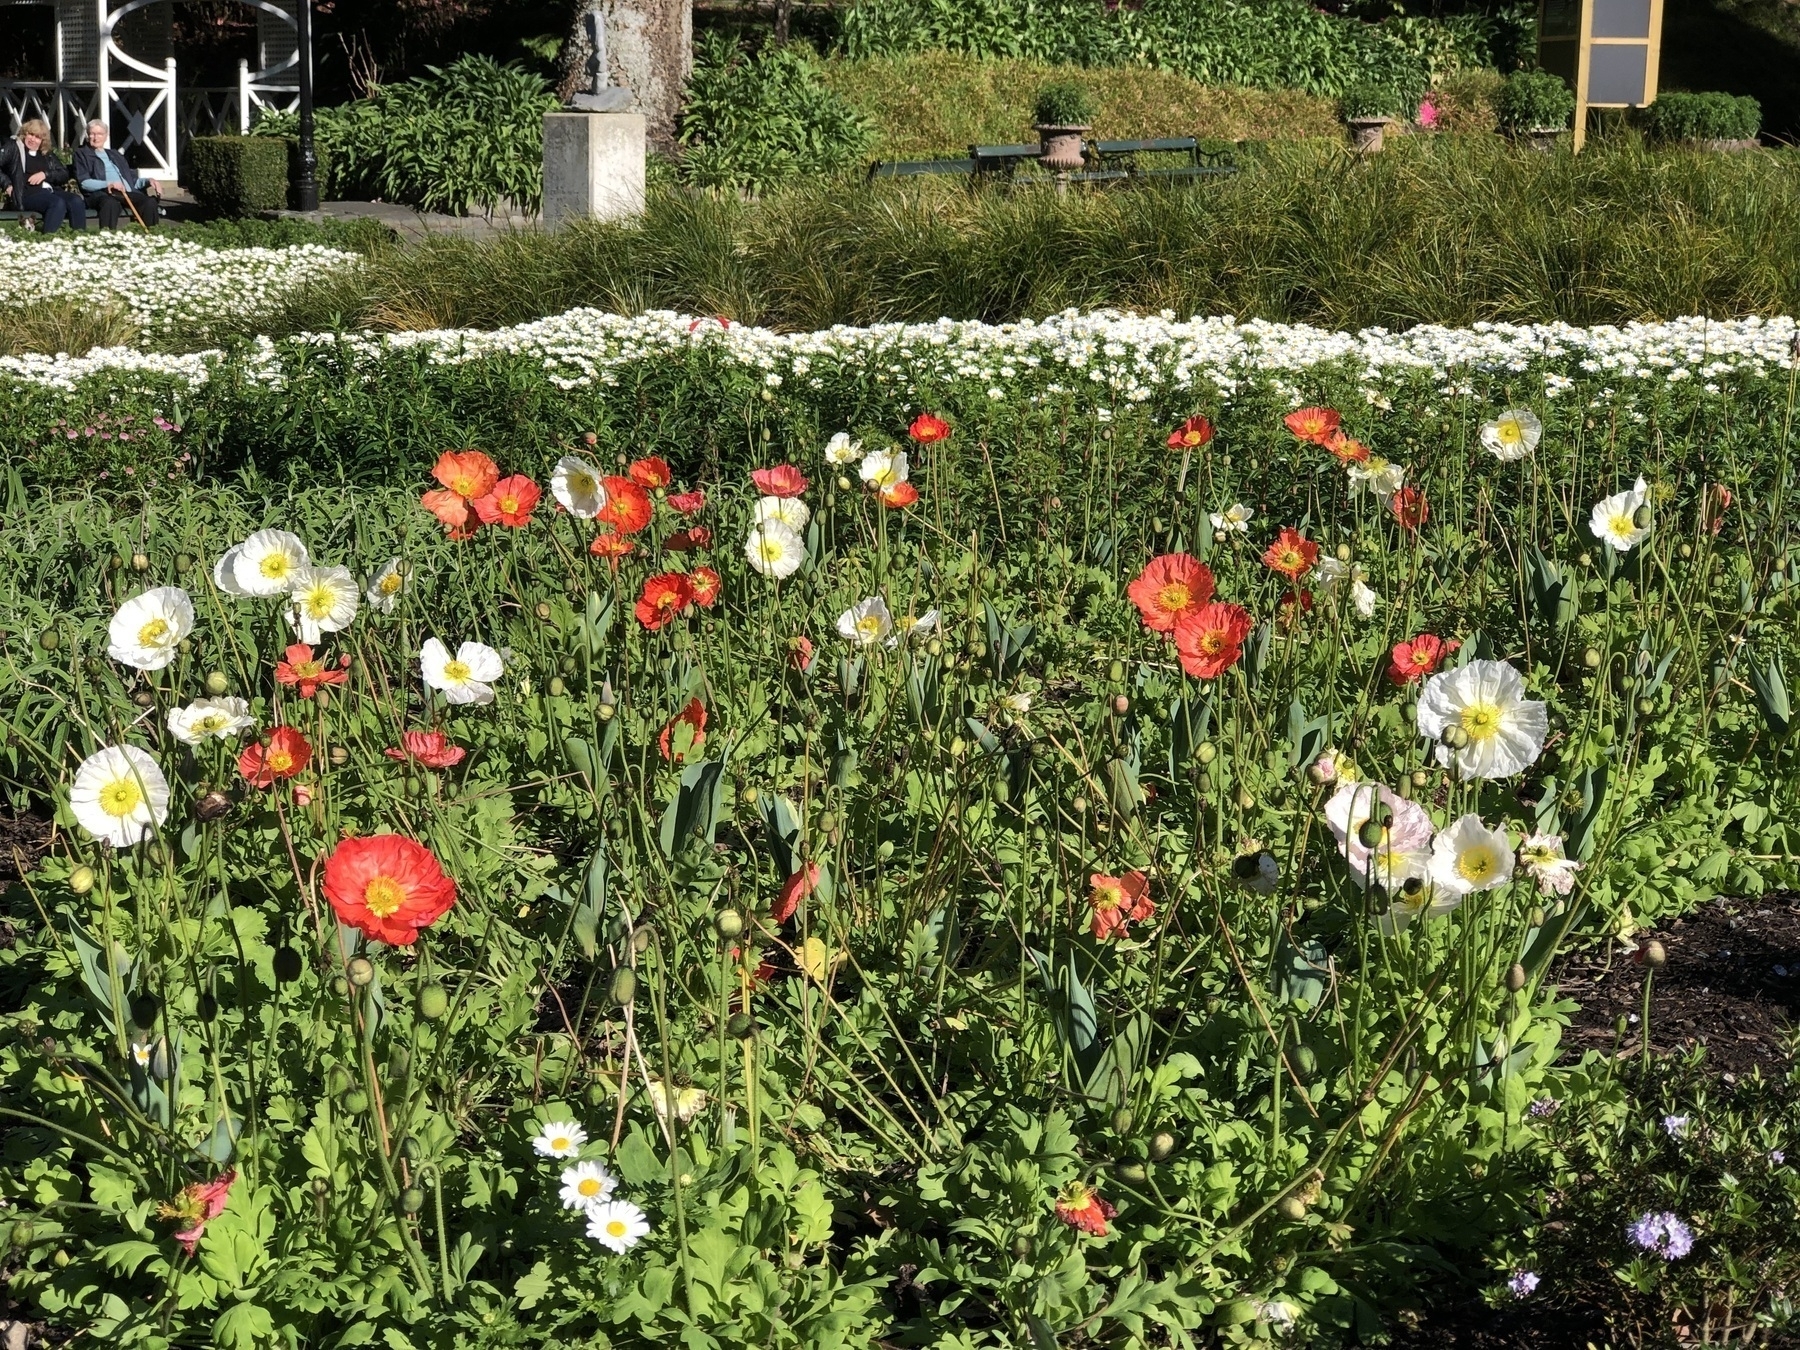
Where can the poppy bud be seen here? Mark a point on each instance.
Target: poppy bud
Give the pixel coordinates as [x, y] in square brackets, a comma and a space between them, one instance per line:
[216, 683]
[410, 1148]
[605, 710]
[1120, 705]
[1620, 1025]
[337, 1080]
[1369, 834]
[339, 756]
[361, 971]
[1420, 778]
[1121, 1120]
[556, 686]
[1454, 737]
[1162, 1146]
[622, 988]
[1206, 752]
[144, 698]
[1021, 1247]
[1245, 798]
[1654, 955]
[207, 1007]
[140, 562]
[356, 1102]
[1640, 518]
[1411, 887]
[1291, 1208]
[287, 965]
[1080, 805]
[116, 563]
[183, 563]
[434, 1001]
[1515, 977]
[740, 1026]
[49, 639]
[1686, 551]
[1646, 707]
[144, 1008]
[640, 939]
[81, 880]
[542, 609]
[1537, 917]
[62, 1258]
[1219, 536]
[1343, 553]
[1130, 1172]
[162, 1065]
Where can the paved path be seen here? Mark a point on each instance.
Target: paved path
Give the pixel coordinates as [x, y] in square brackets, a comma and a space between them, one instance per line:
[413, 225]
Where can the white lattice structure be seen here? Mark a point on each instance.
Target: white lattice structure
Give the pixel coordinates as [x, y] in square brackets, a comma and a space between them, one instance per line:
[113, 61]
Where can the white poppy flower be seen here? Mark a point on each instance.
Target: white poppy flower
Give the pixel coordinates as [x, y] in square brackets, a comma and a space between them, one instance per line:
[774, 550]
[587, 1184]
[840, 449]
[916, 630]
[147, 630]
[466, 677]
[1616, 518]
[866, 622]
[266, 562]
[883, 469]
[1469, 857]
[788, 511]
[224, 573]
[1363, 598]
[205, 718]
[1233, 519]
[576, 485]
[1380, 476]
[1542, 856]
[323, 600]
[1514, 434]
[689, 1101]
[387, 585]
[1481, 720]
[119, 795]
[1401, 847]
[559, 1139]
[617, 1225]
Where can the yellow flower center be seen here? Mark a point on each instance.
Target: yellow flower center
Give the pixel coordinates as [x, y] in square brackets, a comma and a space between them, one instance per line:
[153, 632]
[457, 672]
[558, 1141]
[869, 625]
[384, 895]
[1212, 642]
[1477, 864]
[121, 797]
[616, 1228]
[390, 584]
[1174, 596]
[317, 602]
[280, 761]
[1623, 524]
[588, 1186]
[211, 723]
[1107, 897]
[509, 505]
[1511, 433]
[581, 484]
[769, 550]
[274, 566]
[1481, 721]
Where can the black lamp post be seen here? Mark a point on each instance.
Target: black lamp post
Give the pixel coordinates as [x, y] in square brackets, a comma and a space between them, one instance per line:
[307, 189]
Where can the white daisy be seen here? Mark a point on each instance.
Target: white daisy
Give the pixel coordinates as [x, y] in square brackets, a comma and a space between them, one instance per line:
[1469, 857]
[1542, 856]
[119, 795]
[559, 1139]
[576, 485]
[266, 562]
[322, 600]
[587, 1184]
[147, 630]
[1481, 720]
[882, 469]
[788, 511]
[1233, 519]
[866, 622]
[774, 550]
[840, 449]
[210, 717]
[1623, 519]
[387, 585]
[617, 1225]
[466, 677]
[1514, 434]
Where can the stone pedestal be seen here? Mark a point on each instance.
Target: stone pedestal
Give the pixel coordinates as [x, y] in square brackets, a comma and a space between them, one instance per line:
[593, 166]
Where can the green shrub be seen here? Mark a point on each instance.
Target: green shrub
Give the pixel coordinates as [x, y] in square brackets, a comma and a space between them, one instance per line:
[237, 175]
[1372, 100]
[1534, 100]
[756, 119]
[1064, 103]
[1703, 117]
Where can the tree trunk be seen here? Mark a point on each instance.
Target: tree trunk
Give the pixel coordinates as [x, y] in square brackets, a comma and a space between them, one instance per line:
[784, 12]
[649, 50]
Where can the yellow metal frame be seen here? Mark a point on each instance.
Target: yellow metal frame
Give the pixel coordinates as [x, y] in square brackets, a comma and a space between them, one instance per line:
[1585, 42]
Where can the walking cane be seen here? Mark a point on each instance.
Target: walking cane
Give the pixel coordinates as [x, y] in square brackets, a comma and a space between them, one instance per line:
[132, 207]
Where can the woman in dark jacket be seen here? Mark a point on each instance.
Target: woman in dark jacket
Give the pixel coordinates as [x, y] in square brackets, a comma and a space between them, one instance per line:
[37, 179]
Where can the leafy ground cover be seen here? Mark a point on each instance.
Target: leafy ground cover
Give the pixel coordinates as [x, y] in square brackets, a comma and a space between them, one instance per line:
[961, 835]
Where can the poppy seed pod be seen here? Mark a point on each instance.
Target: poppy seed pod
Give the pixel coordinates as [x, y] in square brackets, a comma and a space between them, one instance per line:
[1655, 956]
[361, 971]
[728, 923]
[542, 609]
[1515, 977]
[622, 988]
[1368, 834]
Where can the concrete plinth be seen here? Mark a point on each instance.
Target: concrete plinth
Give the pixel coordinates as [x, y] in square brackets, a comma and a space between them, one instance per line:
[593, 166]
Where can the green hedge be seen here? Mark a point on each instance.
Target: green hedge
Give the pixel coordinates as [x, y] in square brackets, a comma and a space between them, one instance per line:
[1703, 117]
[237, 175]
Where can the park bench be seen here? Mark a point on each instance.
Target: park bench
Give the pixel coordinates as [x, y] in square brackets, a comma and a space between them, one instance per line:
[1112, 161]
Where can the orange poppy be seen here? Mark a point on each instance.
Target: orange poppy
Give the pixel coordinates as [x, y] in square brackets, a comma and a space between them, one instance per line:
[896, 495]
[1081, 1206]
[1117, 901]
[1312, 425]
[666, 595]
[686, 541]
[510, 502]
[467, 473]
[694, 716]
[1169, 586]
[1292, 554]
[1418, 657]
[299, 667]
[795, 889]
[431, 748]
[688, 503]
[1209, 640]
[627, 507]
[1410, 507]
[928, 428]
[1192, 434]
[286, 754]
[1346, 448]
[784, 480]
[650, 472]
[387, 887]
[614, 546]
[705, 584]
[451, 509]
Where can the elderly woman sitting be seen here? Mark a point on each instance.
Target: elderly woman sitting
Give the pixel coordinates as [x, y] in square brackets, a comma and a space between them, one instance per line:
[111, 183]
[36, 178]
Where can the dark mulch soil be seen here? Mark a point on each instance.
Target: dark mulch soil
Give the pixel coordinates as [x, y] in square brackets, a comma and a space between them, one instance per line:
[1732, 984]
[23, 840]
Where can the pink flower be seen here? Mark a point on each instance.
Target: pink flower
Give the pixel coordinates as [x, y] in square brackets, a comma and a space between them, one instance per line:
[1428, 115]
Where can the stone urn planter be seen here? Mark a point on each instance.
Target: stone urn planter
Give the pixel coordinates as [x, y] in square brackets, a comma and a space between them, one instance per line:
[1368, 134]
[1060, 146]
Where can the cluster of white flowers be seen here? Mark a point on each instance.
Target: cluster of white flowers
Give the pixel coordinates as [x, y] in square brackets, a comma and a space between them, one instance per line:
[165, 285]
[587, 1188]
[1114, 356]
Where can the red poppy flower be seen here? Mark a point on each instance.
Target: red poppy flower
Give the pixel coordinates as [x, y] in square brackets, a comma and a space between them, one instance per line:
[286, 754]
[666, 595]
[795, 889]
[511, 502]
[1294, 605]
[1169, 586]
[299, 667]
[896, 495]
[1312, 425]
[1410, 507]
[694, 716]
[627, 507]
[1117, 901]
[467, 473]
[198, 1204]
[800, 653]
[614, 546]
[451, 509]
[1292, 554]
[1191, 434]
[1080, 1206]
[719, 319]
[387, 887]
[688, 503]
[784, 480]
[1209, 640]
[1418, 657]
[705, 584]
[1714, 505]
[1346, 448]
[431, 748]
[928, 428]
[686, 541]
[652, 471]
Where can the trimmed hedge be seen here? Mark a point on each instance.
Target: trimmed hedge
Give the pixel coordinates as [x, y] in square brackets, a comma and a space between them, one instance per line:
[238, 175]
[1703, 117]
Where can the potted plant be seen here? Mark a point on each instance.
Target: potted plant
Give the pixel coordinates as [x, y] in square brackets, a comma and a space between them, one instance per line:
[1369, 109]
[1065, 113]
[1705, 121]
[1536, 105]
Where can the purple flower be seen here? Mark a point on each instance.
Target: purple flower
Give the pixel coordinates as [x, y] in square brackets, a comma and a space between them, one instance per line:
[1776, 1157]
[1543, 1108]
[1523, 1284]
[1676, 1127]
[1663, 1234]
